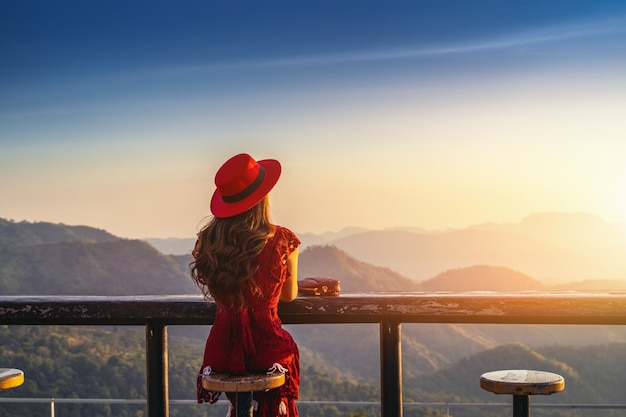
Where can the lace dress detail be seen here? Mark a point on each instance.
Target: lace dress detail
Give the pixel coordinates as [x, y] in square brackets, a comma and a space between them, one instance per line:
[253, 339]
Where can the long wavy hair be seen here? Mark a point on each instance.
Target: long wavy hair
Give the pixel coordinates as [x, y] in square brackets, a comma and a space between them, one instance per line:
[226, 255]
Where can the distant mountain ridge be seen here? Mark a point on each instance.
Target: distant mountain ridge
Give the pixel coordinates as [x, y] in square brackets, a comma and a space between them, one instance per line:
[27, 233]
[55, 259]
[550, 247]
[172, 245]
[124, 267]
[393, 257]
[554, 248]
[565, 229]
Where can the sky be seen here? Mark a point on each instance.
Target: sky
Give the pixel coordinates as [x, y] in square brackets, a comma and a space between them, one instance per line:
[434, 114]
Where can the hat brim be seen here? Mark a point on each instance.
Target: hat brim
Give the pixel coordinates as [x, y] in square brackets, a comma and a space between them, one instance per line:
[221, 209]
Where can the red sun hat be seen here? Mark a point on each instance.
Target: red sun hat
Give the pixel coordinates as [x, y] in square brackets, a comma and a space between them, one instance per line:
[241, 183]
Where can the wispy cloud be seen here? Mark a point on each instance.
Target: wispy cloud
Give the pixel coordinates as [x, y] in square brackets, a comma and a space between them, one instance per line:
[538, 36]
[579, 31]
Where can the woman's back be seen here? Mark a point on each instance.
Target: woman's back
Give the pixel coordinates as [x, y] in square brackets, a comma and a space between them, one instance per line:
[252, 339]
[247, 265]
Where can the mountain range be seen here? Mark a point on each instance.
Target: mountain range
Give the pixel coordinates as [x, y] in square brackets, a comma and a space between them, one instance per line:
[35, 257]
[44, 259]
[551, 247]
[55, 259]
[554, 248]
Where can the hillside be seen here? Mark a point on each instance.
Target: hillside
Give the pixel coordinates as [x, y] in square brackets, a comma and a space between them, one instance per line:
[27, 233]
[355, 275]
[121, 267]
[91, 362]
[593, 374]
[55, 259]
[483, 278]
[48, 259]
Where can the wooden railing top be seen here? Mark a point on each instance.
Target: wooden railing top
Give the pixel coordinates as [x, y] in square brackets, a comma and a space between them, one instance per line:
[470, 307]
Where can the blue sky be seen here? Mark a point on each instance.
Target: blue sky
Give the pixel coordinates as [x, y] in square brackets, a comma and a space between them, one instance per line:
[437, 114]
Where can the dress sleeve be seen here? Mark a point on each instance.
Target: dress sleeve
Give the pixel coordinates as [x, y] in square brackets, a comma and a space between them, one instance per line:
[285, 242]
[289, 241]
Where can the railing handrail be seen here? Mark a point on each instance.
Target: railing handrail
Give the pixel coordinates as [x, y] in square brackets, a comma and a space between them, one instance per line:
[389, 310]
[470, 307]
[451, 404]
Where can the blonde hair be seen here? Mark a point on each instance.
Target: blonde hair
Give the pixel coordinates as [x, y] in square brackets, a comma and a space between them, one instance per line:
[226, 255]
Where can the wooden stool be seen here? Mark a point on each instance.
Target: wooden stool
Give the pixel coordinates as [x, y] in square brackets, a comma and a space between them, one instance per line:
[521, 384]
[10, 378]
[243, 386]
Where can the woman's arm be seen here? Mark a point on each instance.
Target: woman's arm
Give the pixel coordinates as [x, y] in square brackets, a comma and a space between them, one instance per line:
[289, 292]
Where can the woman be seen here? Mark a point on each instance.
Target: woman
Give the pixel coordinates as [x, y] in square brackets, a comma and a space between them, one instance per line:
[247, 264]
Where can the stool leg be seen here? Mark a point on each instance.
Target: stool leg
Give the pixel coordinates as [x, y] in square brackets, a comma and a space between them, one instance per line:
[521, 407]
[243, 404]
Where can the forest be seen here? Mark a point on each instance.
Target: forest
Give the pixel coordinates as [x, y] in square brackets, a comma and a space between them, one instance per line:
[98, 362]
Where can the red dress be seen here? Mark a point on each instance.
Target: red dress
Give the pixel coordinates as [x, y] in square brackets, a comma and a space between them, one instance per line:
[253, 340]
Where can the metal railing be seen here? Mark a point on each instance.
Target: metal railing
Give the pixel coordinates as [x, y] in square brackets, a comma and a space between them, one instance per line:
[447, 406]
[389, 310]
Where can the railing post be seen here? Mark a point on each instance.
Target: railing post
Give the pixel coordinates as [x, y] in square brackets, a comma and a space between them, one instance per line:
[157, 369]
[390, 368]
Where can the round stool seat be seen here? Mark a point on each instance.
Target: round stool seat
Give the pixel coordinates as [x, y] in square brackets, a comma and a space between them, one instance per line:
[242, 383]
[10, 378]
[522, 382]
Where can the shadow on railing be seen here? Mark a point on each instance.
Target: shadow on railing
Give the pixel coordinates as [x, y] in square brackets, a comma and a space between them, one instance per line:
[389, 310]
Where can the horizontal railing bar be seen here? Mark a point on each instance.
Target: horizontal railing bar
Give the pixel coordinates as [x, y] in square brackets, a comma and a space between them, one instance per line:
[74, 400]
[485, 308]
[508, 405]
[310, 403]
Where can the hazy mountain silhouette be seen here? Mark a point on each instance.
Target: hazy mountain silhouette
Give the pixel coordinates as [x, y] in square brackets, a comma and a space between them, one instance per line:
[593, 285]
[173, 245]
[422, 256]
[552, 248]
[312, 239]
[182, 246]
[569, 230]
